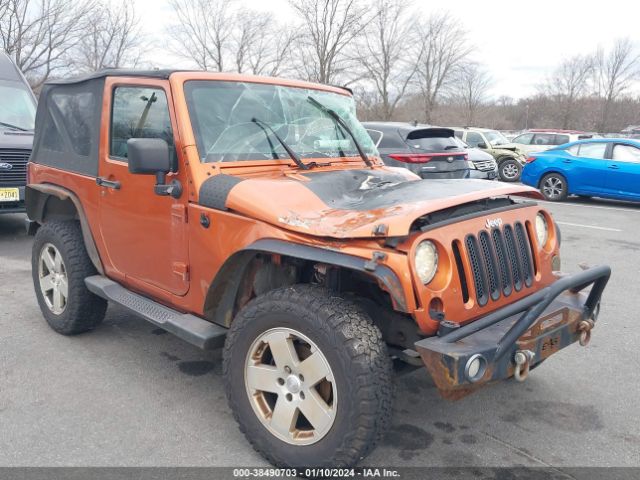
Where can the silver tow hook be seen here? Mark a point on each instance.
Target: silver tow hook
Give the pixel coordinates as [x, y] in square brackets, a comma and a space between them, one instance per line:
[523, 360]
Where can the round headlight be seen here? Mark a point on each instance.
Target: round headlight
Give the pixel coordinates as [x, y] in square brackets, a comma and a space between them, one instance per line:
[542, 230]
[426, 261]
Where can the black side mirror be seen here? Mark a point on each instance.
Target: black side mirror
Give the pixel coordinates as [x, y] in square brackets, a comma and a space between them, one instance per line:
[482, 145]
[150, 156]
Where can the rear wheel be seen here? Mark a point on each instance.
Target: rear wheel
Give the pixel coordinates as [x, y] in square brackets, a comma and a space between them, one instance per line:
[308, 378]
[59, 265]
[510, 170]
[553, 187]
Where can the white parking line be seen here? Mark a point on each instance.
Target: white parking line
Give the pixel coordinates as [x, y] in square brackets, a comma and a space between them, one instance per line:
[589, 226]
[602, 207]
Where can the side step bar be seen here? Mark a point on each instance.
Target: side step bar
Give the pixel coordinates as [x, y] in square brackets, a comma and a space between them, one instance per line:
[190, 328]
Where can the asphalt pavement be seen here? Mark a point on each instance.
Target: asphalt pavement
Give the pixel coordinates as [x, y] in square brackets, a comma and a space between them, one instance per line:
[127, 394]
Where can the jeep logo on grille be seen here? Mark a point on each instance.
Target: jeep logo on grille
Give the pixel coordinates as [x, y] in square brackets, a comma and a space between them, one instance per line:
[493, 223]
[5, 166]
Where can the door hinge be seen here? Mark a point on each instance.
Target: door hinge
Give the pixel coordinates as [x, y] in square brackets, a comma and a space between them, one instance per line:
[182, 269]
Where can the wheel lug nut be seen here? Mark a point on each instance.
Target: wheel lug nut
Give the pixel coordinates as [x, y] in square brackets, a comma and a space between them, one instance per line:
[280, 381]
[301, 378]
[289, 397]
[287, 369]
[302, 395]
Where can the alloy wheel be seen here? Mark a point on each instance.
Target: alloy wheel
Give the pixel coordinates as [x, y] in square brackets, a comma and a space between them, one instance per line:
[52, 275]
[553, 187]
[291, 386]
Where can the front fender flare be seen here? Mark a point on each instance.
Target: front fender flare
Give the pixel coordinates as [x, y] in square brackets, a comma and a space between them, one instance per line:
[221, 298]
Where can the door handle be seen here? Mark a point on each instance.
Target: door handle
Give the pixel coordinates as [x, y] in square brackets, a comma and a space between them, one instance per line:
[566, 161]
[103, 182]
[614, 167]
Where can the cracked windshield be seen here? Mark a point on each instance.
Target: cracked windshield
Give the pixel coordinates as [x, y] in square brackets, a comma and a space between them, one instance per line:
[235, 121]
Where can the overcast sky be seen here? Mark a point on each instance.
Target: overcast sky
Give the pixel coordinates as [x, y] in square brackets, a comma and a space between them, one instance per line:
[519, 43]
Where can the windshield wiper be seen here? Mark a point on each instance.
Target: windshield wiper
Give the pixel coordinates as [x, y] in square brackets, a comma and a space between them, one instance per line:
[343, 124]
[284, 144]
[15, 127]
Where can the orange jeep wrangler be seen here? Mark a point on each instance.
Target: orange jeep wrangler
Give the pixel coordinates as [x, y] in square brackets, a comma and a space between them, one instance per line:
[255, 213]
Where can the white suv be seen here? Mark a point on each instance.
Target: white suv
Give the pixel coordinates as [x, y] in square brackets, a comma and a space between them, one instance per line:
[543, 139]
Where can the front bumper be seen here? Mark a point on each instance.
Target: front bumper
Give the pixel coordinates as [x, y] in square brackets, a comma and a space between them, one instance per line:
[484, 175]
[536, 326]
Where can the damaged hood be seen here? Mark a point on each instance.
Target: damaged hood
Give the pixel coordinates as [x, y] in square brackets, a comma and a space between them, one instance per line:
[352, 203]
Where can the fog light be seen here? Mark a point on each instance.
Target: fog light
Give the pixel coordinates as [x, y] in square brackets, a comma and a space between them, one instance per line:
[475, 368]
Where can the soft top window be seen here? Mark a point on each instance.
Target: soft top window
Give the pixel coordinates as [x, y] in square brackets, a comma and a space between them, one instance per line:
[67, 133]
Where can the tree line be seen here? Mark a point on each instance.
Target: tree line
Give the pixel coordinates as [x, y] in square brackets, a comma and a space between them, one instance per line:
[401, 63]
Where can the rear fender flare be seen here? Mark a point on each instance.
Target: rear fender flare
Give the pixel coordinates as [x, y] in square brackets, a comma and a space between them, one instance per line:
[38, 199]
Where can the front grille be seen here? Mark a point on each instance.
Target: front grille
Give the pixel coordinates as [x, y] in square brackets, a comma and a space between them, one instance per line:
[501, 261]
[485, 165]
[17, 175]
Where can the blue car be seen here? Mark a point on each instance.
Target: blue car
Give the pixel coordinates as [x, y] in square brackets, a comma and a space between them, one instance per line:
[608, 168]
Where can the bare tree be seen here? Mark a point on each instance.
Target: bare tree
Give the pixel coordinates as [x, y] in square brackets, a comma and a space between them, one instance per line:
[219, 35]
[113, 39]
[259, 46]
[39, 34]
[568, 83]
[470, 90]
[442, 48]
[615, 72]
[330, 27]
[384, 53]
[203, 31]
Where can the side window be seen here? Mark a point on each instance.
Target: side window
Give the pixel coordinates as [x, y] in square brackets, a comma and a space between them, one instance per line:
[592, 150]
[626, 153]
[458, 134]
[543, 139]
[561, 139]
[573, 150]
[75, 111]
[376, 136]
[524, 139]
[474, 138]
[139, 112]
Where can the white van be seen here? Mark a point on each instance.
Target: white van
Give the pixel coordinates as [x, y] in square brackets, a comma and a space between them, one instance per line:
[17, 116]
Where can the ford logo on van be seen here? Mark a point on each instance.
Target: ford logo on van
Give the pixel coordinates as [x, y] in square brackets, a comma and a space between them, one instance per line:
[6, 166]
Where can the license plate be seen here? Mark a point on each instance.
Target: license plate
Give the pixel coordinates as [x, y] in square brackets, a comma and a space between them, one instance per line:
[9, 195]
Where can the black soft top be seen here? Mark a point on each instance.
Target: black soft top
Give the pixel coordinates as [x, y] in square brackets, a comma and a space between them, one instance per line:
[112, 72]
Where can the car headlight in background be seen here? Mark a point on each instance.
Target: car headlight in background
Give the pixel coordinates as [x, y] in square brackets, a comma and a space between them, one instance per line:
[426, 261]
[542, 230]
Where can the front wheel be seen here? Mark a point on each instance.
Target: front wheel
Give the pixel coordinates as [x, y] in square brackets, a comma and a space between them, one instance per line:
[553, 187]
[308, 378]
[510, 170]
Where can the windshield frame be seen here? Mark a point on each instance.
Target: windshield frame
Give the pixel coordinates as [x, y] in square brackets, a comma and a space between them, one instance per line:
[179, 81]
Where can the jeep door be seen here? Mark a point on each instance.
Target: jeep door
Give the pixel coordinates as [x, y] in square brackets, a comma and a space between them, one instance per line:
[145, 235]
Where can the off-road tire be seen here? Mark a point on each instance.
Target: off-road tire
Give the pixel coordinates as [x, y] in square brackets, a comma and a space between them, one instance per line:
[83, 310]
[511, 164]
[358, 357]
[563, 189]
